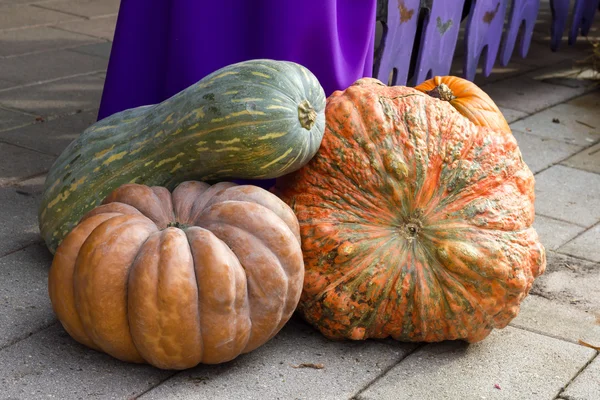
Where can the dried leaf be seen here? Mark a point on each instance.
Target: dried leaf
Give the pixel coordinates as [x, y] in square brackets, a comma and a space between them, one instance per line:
[309, 365]
[591, 346]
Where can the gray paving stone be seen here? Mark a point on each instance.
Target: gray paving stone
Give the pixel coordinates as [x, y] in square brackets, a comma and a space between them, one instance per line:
[523, 365]
[587, 384]
[540, 55]
[53, 136]
[57, 97]
[96, 49]
[24, 304]
[10, 119]
[570, 281]
[50, 364]
[85, 8]
[49, 65]
[22, 41]
[499, 72]
[577, 123]
[7, 84]
[512, 115]
[103, 27]
[561, 321]
[554, 233]
[18, 163]
[540, 153]
[19, 15]
[528, 94]
[588, 159]
[269, 373]
[18, 214]
[585, 246]
[568, 194]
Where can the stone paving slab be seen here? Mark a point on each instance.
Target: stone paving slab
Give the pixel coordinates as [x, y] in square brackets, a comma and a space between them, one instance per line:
[58, 97]
[269, 373]
[43, 38]
[523, 365]
[565, 122]
[49, 65]
[18, 15]
[512, 115]
[84, 8]
[96, 49]
[10, 119]
[53, 136]
[529, 95]
[540, 153]
[103, 27]
[6, 84]
[587, 160]
[19, 219]
[585, 246]
[570, 281]
[18, 163]
[51, 365]
[554, 233]
[24, 304]
[562, 321]
[587, 384]
[568, 194]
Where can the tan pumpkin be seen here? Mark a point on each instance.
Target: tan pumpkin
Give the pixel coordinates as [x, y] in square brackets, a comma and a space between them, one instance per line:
[197, 276]
[468, 99]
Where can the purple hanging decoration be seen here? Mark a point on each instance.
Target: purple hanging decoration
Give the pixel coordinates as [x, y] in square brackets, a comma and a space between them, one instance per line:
[583, 16]
[392, 58]
[438, 41]
[523, 16]
[482, 35]
[560, 12]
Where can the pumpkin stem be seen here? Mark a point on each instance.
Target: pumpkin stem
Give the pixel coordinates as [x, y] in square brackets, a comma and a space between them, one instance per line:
[442, 92]
[307, 115]
[176, 224]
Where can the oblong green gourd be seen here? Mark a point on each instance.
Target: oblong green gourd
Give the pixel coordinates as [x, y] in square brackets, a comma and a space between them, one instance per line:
[256, 119]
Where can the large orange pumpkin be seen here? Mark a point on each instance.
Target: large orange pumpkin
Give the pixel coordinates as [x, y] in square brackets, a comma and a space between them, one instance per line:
[468, 99]
[415, 222]
[200, 275]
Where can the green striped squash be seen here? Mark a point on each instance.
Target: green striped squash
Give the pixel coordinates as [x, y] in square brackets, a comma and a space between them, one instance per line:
[256, 119]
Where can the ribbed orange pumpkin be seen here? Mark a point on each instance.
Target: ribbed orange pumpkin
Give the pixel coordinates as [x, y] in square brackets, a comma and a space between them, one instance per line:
[468, 99]
[200, 275]
[415, 222]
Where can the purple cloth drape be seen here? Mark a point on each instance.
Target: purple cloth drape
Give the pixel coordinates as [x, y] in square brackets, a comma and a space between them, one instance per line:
[161, 47]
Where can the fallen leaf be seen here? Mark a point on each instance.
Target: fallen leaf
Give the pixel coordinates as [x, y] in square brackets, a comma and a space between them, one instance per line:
[591, 346]
[309, 365]
[584, 124]
[556, 120]
[39, 119]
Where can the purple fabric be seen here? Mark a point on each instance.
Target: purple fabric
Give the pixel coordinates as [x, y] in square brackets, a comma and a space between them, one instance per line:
[163, 46]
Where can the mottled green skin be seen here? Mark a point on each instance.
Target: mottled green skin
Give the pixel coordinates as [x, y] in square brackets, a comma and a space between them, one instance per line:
[241, 121]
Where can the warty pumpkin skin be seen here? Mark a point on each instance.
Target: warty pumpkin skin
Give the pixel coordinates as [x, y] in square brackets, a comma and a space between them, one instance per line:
[415, 223]
[256, 119]
[197, 276]
[468, 99]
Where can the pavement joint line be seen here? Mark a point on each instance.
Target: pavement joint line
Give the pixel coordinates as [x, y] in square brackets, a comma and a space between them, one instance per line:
[20, 248]
[154, 386]
[575, 237]
[40, 5]
[418, 347]
[31, 53]
[27, 148]
[49, 81]
[47, 118]
[562, 220]
[569, 156]
[572, 256]
[80, 33]
[561, 391]
[28, 335]
[12, 182]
